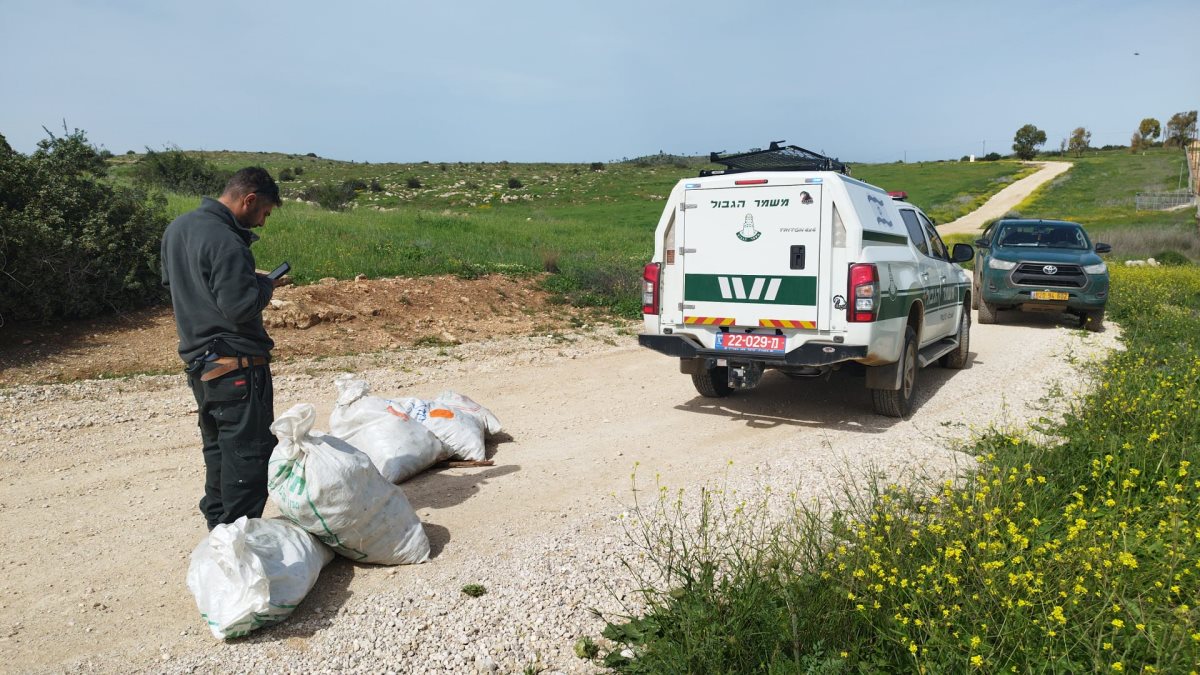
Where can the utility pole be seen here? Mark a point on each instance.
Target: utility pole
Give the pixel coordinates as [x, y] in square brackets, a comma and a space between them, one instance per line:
[981, 154]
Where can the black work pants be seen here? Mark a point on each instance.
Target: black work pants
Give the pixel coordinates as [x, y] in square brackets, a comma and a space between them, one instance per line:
[236, 411]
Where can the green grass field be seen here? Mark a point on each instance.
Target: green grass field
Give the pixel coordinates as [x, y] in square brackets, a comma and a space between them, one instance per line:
[1098, 192]
[594, 226]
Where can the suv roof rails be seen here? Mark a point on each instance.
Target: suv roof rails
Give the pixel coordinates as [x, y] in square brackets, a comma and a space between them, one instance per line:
[777, 157]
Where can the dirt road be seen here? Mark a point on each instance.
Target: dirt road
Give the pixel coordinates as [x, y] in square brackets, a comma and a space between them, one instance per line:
[99, 482]
[1005, 200]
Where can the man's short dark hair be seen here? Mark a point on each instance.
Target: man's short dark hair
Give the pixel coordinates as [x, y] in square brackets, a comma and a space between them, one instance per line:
[253, 179]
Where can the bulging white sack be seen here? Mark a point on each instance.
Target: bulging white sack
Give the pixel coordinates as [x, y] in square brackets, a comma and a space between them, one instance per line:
[253, 573]
[461, 432]
[398, 446]
[455, 400]
[329, 488]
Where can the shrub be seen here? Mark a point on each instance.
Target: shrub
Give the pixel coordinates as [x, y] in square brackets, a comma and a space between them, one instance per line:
[130, 152]
[991, 157]
[299, 170]
[375, 186]
[354, 185]
[285, 174]
[1172, 258]
[176, 171]
[331, 196]
[596, 166]
[515, 184]
[413, 182]
[311, 154]
[71, 244]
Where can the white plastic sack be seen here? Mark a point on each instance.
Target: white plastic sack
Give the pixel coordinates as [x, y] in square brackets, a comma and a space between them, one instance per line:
[461, 432]
[252, 573]
[398, 446]
[465, 405]
[329, 488]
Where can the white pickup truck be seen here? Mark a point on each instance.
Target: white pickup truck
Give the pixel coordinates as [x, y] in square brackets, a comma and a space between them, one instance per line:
[783, 261]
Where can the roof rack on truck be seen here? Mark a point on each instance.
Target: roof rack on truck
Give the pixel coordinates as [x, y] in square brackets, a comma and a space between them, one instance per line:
[777, 157]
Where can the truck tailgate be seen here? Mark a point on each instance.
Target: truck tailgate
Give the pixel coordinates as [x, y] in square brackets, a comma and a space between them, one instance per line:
[753, 256]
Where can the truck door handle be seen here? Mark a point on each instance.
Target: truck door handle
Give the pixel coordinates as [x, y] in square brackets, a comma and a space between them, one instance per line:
[797, 257]
[925, 275]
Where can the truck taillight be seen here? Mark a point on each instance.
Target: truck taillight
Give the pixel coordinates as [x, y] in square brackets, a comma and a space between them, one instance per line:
[864, 293]
[650, 289]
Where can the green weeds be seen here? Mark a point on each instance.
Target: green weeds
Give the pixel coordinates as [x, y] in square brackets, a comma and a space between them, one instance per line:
[1078, 554]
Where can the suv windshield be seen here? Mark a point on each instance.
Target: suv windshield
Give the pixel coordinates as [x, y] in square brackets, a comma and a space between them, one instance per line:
[1043, 235]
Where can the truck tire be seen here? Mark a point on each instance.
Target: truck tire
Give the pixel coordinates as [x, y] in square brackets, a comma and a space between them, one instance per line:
[1093, 320]
[987, 312]
[712, 382]
[898, 403]
[975, 296]
[958, 358]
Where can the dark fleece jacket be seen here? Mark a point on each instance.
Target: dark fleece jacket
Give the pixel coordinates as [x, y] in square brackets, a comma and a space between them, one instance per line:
[218, 297]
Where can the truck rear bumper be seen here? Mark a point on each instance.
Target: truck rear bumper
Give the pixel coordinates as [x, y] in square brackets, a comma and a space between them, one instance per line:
[810, 354]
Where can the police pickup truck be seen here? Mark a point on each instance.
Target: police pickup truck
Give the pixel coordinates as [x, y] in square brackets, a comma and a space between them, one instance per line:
[783, 261]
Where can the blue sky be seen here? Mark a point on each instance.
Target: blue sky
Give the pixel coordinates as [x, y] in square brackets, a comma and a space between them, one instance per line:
[866, 81]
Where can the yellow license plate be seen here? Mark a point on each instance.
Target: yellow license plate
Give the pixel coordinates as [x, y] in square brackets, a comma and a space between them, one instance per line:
[1050, 295]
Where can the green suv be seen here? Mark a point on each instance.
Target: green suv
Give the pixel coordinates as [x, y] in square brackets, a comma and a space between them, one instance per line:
[1040, 266]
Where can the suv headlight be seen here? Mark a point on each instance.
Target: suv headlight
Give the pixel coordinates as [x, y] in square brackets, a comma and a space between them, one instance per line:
[1098, 268]
[1000, 264]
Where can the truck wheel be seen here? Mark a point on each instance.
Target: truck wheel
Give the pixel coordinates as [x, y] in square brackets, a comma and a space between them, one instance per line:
[1094, 320]
[975, 297]
[987, 312]
[898, 403]
[958, 358]
[712, 382]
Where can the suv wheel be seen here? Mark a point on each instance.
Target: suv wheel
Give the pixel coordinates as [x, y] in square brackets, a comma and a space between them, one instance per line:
[898, 403]
[712, 382]
[975, 296]
[958, 358]
[987, 312]
[1093, 320]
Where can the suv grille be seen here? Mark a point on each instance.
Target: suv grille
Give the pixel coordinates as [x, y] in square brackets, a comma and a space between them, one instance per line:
[1034, 274]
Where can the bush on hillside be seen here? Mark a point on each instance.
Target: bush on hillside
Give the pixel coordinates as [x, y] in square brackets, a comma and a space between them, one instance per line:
[72, 245]
[413, 182]
[332, 196]
[515, 184]
[354, 185]
[285, 174]
[299, 170]
[1172, 258]
[596, 166]
[375, 186]
[176, 171]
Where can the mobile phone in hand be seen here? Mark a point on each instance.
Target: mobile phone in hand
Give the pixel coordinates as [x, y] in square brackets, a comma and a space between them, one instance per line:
[279, 271]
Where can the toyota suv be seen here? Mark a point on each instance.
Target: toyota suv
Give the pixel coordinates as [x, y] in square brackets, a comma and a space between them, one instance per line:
[1040, 266]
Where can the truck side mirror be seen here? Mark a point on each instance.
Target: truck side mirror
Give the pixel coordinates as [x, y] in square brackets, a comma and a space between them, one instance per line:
[982, 242]
[961, 253]
[1103, 248]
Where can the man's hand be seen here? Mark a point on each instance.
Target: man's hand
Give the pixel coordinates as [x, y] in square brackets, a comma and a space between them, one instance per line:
[285, 280]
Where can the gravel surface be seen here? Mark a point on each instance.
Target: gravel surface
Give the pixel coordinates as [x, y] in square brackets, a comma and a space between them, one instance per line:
[99, 479]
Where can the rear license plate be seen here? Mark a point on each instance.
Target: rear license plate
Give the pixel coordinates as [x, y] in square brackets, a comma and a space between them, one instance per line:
[749, 342]
[1050, 295]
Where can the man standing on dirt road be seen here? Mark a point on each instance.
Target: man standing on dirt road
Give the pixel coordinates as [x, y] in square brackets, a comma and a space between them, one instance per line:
[218, 299]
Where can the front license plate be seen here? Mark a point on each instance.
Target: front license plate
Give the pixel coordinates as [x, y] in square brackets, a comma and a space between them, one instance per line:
[749, 342]
[1050, 295]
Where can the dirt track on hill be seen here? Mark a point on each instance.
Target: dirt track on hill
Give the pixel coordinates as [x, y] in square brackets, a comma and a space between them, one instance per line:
[99, 482]
[1005, 200]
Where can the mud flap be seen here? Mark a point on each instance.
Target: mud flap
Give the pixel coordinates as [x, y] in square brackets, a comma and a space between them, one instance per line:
[884, 377]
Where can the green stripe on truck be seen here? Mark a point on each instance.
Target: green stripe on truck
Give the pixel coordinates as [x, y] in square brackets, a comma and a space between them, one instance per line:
[745, 288]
